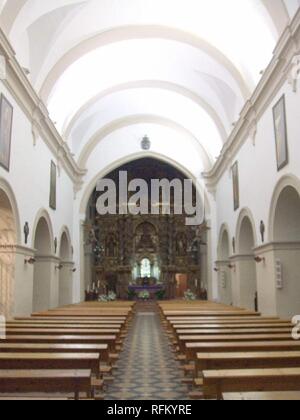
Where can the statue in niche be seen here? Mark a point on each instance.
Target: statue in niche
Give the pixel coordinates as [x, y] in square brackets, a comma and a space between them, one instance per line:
[111, 247]
[26, 232]
[262, 231]
[181, 245]
[145, 241]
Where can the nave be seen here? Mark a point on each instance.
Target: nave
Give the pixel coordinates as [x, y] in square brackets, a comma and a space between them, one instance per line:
[147, 351]
[147, 369]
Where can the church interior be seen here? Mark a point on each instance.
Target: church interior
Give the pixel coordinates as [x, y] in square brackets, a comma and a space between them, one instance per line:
[149, 200]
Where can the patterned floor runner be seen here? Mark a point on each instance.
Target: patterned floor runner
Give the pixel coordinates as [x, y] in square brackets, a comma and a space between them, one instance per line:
[147, 369]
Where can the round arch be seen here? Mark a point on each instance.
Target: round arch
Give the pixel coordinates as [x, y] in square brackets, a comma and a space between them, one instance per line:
[165, 85]
[6, 188]
[287, 181]
[65, 244]
[133, 120]
[127, 159]
[139, 32]
[43, 214]
[8, 242]
[224, 231]
[245, 213]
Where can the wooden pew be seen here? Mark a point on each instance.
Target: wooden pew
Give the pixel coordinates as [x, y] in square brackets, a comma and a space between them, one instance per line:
[51, 321]
[61, 331]
[226, 320]
[78, 314]
[45, 381]
[263, 396]
[75, 326]
[209, 313]
[246, 360]
[230, 331]
[101, 349]
[110, 340]
[217, 382]
[230, 347]
[230, 326]
[48, 361]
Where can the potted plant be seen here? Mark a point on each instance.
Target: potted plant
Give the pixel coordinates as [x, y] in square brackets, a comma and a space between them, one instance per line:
[131, 294]
[160, 295]
[189, 296]
[144, 295]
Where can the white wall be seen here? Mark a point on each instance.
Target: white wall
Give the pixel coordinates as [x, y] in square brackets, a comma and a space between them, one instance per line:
[29, 178]
[258, 179]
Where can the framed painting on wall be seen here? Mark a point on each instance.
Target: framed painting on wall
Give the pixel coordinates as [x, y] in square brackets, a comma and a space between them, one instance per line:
[6, 121]
[53, 180]
[280, 127]
[236, 186]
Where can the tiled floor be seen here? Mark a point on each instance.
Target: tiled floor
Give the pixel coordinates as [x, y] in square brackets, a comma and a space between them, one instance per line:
[147, 369]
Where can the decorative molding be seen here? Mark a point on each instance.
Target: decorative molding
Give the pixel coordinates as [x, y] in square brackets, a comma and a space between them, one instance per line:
[242, 257]
[47, 258]
[294, 73]
[275, 75]
[276, 246]
[35, 110]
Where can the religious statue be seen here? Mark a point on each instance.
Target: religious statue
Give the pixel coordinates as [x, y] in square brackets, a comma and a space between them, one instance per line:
[111, 246]
[26, 232]
[92, 237]
[262, 231]
[146, 241]
[181, 246]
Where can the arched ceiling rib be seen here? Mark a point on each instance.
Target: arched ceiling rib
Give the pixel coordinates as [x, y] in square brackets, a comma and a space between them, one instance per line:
[88, 59]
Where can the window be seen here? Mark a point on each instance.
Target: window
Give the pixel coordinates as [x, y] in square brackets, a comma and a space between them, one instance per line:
[146, 268]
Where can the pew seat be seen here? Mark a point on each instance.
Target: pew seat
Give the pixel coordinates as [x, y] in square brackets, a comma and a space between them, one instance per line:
[48, 361]
[262, 396]
[46, 381]
[217, 382]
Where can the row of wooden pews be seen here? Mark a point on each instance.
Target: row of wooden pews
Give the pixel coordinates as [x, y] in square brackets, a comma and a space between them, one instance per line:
[70, 350]
[233, 354]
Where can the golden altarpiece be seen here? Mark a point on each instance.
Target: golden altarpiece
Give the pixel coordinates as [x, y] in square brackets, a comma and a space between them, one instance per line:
[144, 252]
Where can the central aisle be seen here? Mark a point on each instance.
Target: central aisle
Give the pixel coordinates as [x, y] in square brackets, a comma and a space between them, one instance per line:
[147, 369]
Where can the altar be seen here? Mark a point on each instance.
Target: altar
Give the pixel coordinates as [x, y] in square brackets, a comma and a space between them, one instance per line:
[151, 289]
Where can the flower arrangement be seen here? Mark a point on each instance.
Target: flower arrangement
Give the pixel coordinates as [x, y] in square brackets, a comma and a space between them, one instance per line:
[189, 296]
[144, 295]
[111, 297]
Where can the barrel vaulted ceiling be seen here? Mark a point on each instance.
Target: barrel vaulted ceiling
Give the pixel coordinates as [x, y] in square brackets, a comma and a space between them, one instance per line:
[183, 67]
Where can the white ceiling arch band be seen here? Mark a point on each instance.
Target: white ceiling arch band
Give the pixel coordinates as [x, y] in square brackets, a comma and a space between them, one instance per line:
[181, 90]
[138, 119]
[127, 33]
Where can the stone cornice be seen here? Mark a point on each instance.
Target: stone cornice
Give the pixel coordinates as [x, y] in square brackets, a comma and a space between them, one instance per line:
[273, 78]
[276, 246]
[47, 258]
[221, 263]
[42, 126]
[242, 257]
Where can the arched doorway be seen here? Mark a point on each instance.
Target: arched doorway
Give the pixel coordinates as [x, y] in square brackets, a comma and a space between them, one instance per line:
[42, 266]
[224, 273]
[65, 274]
[246, 264]
[286, 228]
[8, 242]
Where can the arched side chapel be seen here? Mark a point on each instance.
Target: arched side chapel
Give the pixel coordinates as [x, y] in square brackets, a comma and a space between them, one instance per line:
[217, 108]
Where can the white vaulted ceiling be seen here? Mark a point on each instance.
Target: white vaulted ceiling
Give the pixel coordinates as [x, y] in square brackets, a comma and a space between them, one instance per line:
[178, 66]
